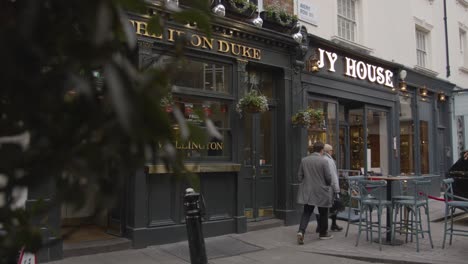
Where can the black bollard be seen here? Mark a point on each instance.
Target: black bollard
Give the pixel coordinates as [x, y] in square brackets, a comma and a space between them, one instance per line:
[194, 227]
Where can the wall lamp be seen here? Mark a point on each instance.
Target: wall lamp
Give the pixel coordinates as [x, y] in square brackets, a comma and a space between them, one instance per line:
[402, 84]
[258, 21]
[298, 35]
[442, 97]
[423, 91]
[312, 63]
[219, 10]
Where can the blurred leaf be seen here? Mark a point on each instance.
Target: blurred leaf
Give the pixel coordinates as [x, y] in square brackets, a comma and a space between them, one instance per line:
[154, 25]
[202, 20]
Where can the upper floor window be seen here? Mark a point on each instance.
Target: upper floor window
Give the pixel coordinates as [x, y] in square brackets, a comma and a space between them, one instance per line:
[421, 48]
[463, 48]
[347, 19]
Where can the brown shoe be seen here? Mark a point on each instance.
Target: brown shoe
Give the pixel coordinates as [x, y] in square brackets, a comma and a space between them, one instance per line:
[300, 238]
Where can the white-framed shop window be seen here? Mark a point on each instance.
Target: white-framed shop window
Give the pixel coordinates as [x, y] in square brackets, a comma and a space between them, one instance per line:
[347, 19]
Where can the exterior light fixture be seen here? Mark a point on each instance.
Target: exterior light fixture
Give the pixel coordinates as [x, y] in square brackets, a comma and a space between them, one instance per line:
[402, 84]
[312, 63]
[423, 91]
[442, 97]
[258, 21]
[219, 10]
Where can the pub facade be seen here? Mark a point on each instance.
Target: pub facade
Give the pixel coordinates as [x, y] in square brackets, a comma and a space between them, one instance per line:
[375, 126]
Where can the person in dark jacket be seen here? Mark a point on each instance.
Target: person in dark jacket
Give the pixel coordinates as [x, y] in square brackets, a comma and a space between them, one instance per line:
[314, 191]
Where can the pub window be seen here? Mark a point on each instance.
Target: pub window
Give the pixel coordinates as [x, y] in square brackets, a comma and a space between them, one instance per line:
[347, 22]
[324, 132]
[207, 83]
[207, 76]
[406, 135]
[201, 147]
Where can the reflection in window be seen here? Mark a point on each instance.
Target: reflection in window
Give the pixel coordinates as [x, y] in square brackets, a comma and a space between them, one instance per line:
[406, 136]
[195, 111]
[214, 77]
[260, 80]
[356, 137]
[425, 134]
[424, 145]
[377, 143]
[326, 131]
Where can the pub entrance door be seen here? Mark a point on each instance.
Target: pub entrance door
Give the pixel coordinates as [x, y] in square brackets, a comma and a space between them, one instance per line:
[258, 171]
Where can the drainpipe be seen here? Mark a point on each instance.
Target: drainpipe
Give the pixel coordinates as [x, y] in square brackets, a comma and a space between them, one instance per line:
[446, 39]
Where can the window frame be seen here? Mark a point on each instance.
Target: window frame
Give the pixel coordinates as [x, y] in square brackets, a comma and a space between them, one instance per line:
[347, 16]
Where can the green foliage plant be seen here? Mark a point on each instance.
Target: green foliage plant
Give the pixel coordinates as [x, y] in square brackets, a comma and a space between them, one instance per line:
[65, 135]
[277, 12]
[242, 5]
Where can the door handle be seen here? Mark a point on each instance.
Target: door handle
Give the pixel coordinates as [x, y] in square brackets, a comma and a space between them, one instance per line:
[254, 169]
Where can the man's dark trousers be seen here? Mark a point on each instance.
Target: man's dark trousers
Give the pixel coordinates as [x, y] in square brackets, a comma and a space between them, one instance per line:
[308, 209]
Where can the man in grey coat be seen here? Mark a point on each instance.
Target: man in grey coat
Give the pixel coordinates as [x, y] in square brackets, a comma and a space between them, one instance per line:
[314, 190]
[327, 154]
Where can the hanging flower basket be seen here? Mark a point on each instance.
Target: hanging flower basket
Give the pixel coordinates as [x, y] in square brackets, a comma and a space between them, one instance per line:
[252, 102]
[307, 118]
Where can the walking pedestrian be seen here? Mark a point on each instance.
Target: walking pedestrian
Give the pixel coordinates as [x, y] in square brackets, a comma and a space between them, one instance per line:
[328, 152]
[314, 191]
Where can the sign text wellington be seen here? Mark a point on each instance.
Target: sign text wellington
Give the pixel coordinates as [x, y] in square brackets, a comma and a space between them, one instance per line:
[202, 42]
[355, 68]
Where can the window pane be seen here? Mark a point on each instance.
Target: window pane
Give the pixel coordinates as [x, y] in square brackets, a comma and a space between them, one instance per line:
[212, 77]
[425, 135]
[406, 136]
[195, 111]
[325, 132]
[377, 143]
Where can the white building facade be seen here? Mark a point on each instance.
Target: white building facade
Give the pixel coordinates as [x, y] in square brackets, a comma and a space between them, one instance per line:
[408, 32]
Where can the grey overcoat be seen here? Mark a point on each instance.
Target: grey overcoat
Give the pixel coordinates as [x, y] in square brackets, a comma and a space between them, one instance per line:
[315, 178]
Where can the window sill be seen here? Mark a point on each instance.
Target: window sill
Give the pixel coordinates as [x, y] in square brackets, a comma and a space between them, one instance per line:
[463, 69]
[425, 71]
[196, 168]
[351, 45]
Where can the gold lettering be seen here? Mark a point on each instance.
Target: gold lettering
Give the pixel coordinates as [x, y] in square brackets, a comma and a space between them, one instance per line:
[256, 54]
[246, 52]
[198, 40]
[219, 145]
[223, 46]
[171, 37]
[233, 49]
[208, 42]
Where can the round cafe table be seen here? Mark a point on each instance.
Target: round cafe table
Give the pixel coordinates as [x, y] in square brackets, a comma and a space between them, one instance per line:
[390, 179]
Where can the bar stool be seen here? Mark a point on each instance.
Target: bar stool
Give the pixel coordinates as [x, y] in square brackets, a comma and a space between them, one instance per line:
[371, 198]
[419, 200]
[354, 197]
[452, 202]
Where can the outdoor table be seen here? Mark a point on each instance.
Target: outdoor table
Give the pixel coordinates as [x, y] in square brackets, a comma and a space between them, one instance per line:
[389, 180]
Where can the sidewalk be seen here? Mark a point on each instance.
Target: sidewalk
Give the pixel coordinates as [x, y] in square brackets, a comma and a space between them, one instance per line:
[278, 245]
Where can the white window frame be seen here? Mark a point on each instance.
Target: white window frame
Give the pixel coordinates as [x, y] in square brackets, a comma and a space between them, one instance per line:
[422, 55]
[347, 19]
[463, 47]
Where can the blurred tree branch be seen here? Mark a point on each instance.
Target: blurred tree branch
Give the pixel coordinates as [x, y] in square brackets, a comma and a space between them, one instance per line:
[74, 105]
